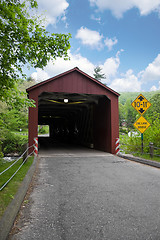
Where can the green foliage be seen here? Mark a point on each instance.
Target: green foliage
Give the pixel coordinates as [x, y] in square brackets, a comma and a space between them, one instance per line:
[155, 107]
[129, 115]
[133, 95]
[123, 130]
[16, 120]
[24, 41]
[17, 99]
[98, 75]
[121, 114]
[13, 143]
[15, 116]
[152, 134]
[7, 194]
[1, 153]
[43, 129]
[3, 130]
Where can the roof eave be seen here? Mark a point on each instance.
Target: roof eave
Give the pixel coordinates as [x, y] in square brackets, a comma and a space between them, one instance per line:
[67, 72]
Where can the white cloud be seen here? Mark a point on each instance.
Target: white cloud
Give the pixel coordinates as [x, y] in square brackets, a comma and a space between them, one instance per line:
[110, 42]
[89, 37]
[53, 10]
[40, 75]
[147, 6]
[110, 67]
[97, 19]
[118, 7]
[119, 82]
[61, 66]
[152, 72]
[153, 88]
[94, 39]
[129, 82]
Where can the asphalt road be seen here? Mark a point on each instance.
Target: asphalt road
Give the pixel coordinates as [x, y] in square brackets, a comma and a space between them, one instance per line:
[92, 196]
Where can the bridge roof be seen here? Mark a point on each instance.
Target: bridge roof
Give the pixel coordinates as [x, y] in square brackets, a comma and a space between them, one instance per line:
[68, 72]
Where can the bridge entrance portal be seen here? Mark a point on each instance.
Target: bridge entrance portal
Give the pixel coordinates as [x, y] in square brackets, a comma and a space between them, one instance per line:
[77, 108]
[72, 118]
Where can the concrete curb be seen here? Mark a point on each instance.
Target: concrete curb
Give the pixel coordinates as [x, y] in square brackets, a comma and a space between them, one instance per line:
[141, 160]
[10, 214]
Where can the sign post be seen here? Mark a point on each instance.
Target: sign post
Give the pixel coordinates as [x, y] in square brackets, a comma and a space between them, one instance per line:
[141, 104]
[142, 142]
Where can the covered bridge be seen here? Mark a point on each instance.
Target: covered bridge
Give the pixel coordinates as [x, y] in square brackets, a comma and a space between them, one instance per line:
[78, 109]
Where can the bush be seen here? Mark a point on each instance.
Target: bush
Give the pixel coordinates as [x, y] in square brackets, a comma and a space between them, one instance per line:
[43, 129]
[152, 134]
[123, 130]
[13, 143]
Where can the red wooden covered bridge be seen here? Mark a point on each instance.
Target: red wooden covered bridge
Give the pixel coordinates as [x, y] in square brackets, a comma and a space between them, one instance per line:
[78, 109]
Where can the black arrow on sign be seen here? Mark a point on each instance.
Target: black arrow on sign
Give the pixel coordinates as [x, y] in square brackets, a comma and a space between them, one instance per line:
[141, 110]
[141, 98]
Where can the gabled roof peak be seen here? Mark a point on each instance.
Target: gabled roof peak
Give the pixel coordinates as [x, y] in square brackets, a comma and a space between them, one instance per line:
[68, 72]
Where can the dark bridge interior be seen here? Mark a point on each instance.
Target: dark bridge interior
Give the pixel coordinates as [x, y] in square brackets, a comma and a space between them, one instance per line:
[74, 118]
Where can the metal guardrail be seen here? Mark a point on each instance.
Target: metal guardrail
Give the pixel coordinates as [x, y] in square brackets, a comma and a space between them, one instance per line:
[151, 148]
[24, 160]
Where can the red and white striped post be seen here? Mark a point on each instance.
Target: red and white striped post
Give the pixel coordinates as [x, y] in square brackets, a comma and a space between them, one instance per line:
[117, 146]
[36, 146]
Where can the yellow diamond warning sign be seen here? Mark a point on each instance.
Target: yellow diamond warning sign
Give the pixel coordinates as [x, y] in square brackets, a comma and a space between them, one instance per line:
[141, 124]
[141, 104]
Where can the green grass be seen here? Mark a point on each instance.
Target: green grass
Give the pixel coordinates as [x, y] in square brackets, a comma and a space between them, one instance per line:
[147, 156]
[7, 194]
[135, 147]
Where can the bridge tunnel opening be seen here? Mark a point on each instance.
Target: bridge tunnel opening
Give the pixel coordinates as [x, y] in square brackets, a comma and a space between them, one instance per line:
[75, 119]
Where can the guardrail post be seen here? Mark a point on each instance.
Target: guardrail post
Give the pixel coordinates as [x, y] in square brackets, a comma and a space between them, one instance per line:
[36, 146]
[117, 146]
[151, 148]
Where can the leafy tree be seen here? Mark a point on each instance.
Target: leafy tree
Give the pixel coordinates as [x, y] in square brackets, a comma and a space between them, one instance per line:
[152, 134]
[129, 114]
[15, 120]
[121, 114]
[98, 74]
[154, 109]
[130, 118]
[24, 41]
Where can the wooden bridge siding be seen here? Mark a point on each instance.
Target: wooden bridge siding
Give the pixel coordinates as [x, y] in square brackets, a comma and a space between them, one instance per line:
[75, 82]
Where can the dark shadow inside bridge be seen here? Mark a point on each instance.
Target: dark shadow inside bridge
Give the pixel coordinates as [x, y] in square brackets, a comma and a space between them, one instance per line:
[48, 143]
[75, 119]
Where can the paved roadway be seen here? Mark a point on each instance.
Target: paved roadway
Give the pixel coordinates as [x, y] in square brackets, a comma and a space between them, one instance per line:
[91, 195]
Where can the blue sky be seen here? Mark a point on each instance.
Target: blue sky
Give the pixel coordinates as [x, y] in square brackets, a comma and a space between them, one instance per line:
[120, 36]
